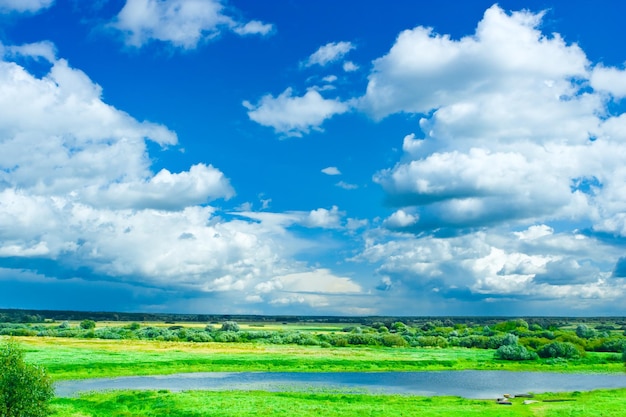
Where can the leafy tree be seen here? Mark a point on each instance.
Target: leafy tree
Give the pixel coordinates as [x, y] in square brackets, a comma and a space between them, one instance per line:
[585, 332]
[624, 355]
[515, 353]
[24, 389]
[87, 324]
[564, 350]
[230, 326]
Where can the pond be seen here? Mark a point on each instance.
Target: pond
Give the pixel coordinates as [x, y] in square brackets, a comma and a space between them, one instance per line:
[468, 384]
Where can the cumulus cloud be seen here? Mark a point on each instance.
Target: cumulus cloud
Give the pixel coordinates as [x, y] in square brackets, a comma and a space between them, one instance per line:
[533, 265]
[511, 133]
[24, 6]
[79, 201]
[331, 171]
[515, 178]
[400, 219]
[326, 219]
[182, 23]
[329, 53]
[350, 66]
[292, 115]
[609, 79]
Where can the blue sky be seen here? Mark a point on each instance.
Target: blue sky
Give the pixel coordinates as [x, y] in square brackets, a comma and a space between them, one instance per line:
[292, 157]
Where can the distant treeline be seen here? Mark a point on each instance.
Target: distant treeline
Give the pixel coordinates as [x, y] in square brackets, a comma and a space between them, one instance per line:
[42, 316]
[512, 339]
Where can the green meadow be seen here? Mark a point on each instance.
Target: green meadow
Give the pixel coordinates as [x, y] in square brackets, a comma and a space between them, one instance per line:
[90, 358]
[77, 350]
[287, 404]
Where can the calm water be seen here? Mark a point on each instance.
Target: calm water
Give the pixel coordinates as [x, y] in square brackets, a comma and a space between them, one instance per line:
[468, 384]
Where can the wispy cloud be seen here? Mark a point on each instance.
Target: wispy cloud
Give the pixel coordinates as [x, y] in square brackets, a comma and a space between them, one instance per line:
[181, 23]
[329, 53]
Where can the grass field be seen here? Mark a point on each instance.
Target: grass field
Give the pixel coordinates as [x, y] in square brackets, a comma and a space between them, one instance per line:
[90, 358]
[238, 403]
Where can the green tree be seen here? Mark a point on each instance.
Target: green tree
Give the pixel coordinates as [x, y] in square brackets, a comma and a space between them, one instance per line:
[87, 324]
[230, 326]
[24, 389]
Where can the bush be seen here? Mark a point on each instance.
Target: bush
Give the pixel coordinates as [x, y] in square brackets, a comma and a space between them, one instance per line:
[585, 332]
[515, 353]
[563, 350]
[230, 326]
[394, 339]
[87, 324]
[25, 390]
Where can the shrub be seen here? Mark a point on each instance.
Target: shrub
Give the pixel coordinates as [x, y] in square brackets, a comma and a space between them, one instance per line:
[585, 332]
[563, 350]
[515, 353]
[25, 390]
[394, 339]
[133, 326]
[87, 324]
[230, 326]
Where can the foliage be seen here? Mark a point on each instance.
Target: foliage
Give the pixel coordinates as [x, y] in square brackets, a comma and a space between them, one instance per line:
[87, 324]
[230, 326]
[25, 389]
[563, 350]
[515, 353]
[585, 332]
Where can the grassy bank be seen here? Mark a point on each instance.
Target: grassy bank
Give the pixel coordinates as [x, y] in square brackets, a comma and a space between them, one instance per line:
[237, 403]
[83, 358]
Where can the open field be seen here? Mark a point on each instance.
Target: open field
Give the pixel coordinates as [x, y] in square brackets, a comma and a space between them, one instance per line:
[239, 403]
[89, 358]
[88, 350]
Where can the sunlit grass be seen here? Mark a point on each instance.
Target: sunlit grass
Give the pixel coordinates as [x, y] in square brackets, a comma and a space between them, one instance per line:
[67, 358]
[240, 403]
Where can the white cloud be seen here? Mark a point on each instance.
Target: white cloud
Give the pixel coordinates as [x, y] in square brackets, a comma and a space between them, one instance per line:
[331, 171]
[44, 49]
[77, 191]
[610, 79]
[182, 23]
[323, 218]
[350, 66]
[400, 219]
[346, 185]
[293, 115]
[254, 27]
[331, 52]
[546, 267]
[424, 70]
[22, 6]
[511, 133]
[165, 190]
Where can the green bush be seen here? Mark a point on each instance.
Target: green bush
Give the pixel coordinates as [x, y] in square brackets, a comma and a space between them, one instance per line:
[230, 326]
[563, 350]
[25, 389]
[515, 353]
[394, 339]
[87, 324]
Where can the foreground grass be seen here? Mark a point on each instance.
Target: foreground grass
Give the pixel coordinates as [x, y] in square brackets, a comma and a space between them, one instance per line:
[240, 403]
[91, 358]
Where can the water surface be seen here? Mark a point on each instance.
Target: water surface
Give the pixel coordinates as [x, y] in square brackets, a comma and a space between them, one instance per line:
[468, 384]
